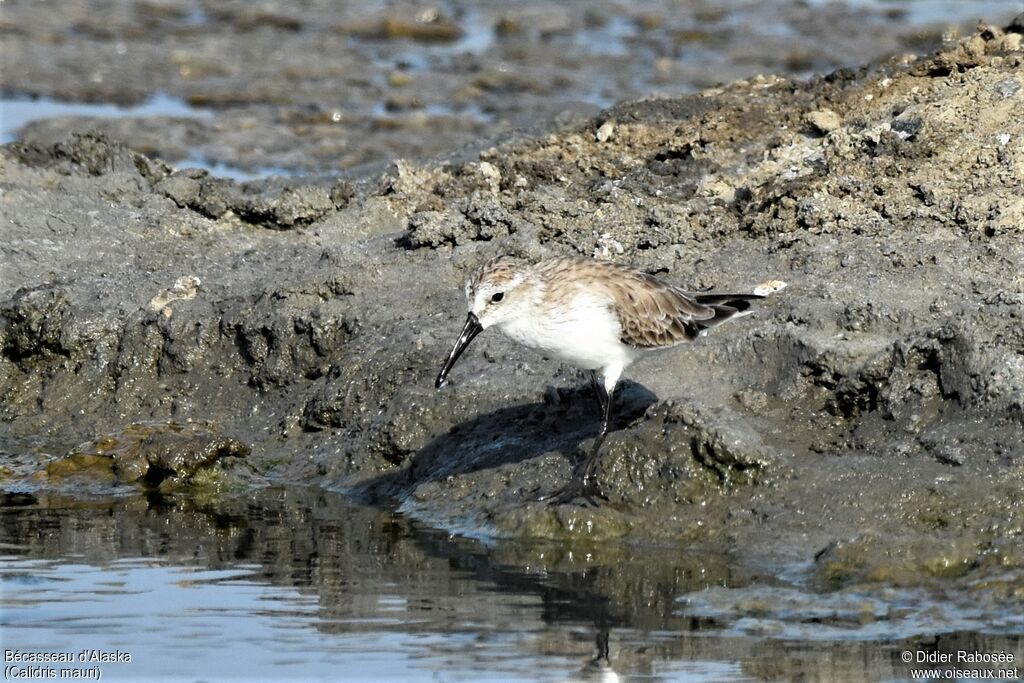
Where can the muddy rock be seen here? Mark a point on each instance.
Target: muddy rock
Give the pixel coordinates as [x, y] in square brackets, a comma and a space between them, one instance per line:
[214, 197]
[157, 454]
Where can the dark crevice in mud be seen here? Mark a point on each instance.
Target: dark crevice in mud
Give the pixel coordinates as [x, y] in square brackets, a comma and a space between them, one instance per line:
[725, 468]
[156, 476]
[33, 323]
[15, 499]
[683, 154]
[852, 399]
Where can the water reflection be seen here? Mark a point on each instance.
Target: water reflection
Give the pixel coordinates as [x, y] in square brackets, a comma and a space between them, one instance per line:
[15, 113]
[291, 583]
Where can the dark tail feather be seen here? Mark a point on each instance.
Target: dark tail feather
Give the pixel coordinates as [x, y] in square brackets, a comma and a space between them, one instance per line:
[740, 302]
[726, 307]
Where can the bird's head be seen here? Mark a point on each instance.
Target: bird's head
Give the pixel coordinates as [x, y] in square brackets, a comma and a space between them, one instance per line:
[493, 291]
[493, 295]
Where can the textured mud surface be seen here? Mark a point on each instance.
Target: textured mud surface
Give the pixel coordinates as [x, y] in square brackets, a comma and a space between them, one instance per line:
[864, 427]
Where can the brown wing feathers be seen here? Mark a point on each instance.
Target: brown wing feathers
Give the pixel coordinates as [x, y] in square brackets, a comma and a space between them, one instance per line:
[666, 316]
[653, 314]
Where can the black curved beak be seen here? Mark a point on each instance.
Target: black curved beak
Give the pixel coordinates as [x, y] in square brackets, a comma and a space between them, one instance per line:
[471, 329]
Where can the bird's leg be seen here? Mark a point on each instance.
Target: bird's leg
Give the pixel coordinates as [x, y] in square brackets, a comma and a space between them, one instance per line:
[599, 392]
[590, 464]
[602, 646]
[584, 476]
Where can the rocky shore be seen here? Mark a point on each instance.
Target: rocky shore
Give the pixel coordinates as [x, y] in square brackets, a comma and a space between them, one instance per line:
[169, 328]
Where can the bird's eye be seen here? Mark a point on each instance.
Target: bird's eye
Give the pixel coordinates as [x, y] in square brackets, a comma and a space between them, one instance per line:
[498, 296]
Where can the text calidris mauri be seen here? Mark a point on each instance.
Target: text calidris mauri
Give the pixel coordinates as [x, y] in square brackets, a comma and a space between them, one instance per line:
[596, 315]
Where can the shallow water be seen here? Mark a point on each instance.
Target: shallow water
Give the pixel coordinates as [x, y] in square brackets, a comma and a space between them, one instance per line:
[18, 112]
[938, 11]
[296, 584]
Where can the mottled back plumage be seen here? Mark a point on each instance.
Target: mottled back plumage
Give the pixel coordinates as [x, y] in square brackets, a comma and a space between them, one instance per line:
[651, 313]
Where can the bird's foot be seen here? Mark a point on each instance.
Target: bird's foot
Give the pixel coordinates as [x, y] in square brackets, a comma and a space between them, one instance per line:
[581, 487]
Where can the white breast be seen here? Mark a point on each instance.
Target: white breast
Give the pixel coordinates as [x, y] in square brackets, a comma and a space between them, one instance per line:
[585, 333]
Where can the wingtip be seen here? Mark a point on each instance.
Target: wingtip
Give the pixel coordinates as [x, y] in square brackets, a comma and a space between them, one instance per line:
[770, 287]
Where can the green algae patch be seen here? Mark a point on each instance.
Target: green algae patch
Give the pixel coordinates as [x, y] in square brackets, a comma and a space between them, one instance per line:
[154, 454]
[949, 565]
[899, 561]
[99, 466]
[572, 522]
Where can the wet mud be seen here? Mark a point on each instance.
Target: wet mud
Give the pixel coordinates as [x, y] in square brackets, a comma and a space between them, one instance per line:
[865, 428]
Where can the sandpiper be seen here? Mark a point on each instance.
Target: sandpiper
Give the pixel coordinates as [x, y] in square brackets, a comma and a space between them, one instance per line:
[596, 315]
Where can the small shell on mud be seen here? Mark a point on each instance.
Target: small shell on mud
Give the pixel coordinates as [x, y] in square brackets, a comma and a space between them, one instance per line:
[183, 289]
[824, 120]
[606, 131]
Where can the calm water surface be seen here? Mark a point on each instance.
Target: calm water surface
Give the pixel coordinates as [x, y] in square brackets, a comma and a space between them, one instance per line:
[291, 584]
